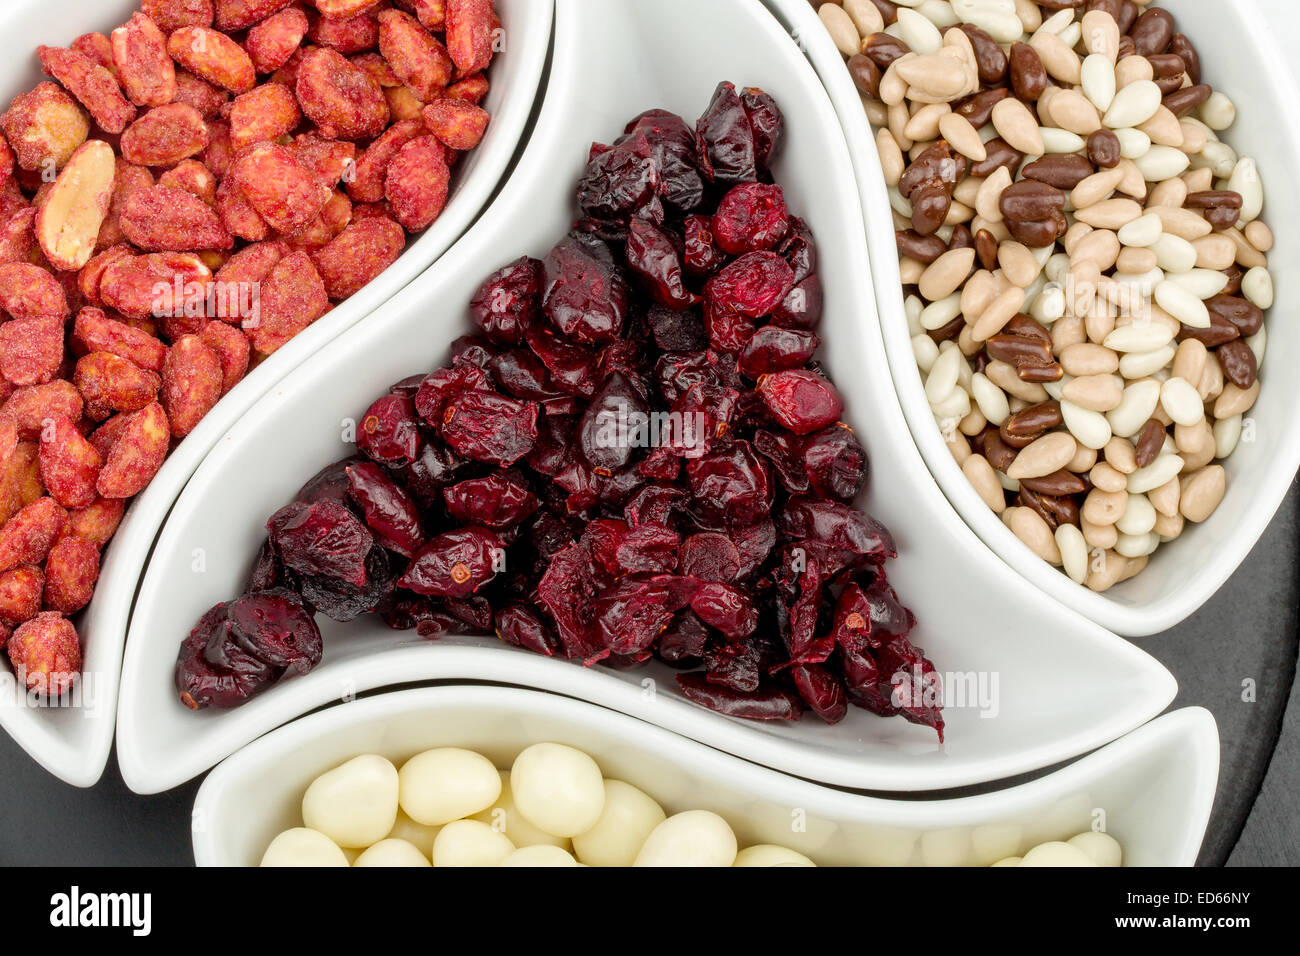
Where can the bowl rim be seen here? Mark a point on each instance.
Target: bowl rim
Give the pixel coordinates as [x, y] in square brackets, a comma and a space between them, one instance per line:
[1128, 620]
[80, 760]
[146, 772]
[1191, 724]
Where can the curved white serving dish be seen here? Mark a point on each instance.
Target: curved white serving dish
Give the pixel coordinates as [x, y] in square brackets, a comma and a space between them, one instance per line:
[1054, 685]
[1246, 62]
[1152, 790]
[73, 742]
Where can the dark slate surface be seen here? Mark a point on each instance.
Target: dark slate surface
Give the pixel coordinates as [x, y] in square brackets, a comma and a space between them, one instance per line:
[1248, 630]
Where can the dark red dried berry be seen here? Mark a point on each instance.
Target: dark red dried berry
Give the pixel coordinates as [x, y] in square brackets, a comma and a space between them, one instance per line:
[727, 139]
[653, 259]
[322, 539]
[485, 426]
[389, 511]
[494, 501]
[801, 400]
[509, 301]
[389, 432]
[751, 217]
[774, 349]
[456, 564]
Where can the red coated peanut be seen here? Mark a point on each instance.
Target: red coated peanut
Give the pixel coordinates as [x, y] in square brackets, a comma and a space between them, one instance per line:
[414, 54]
[344, 101]
[192, 177]
[95, 332]
[275, 39]
[20, 594]
[27, 536]
[166, 219]
[416, 183]
[97, 522]
[69, 464]
[165, 135]
[231, 347]
[233, 15]
[47, 653]
[263, 114]
[214, 57]
[292, 298]
[28, 407]
[457, 123]
[171, 15]
[143, 63]
[138, 450]
[469, 34]
[68, 223]
[109, 382]
[71, 571]
[45, 125]
[191, 383]
[283, 191]
[31, 350]
[93, 86]
[359, 254]
[28, 291]
[367, 184]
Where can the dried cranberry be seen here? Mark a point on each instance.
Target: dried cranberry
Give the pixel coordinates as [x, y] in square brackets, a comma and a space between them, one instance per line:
[407, 613]
[322, 539]
[509, 301]
[822, 691]
[772, 703]
[653, 258]
[267, 571]
[621, 182]
[485, 426]
[275, 628]
[725, 608]
[774, 349]
[727, 139]
[494, 501]
[344, 601]
[566, 591]
[838, 526]
[684, 641]
[731, 486]
[201, 683]
[710, 556]
[389, 511]
[389, 432]
[516, 624]
[608, 433]
[835, 463]
[766, 121]
[572, 368]
[455, 564]
[676, 331]
[801, 400]
[446, 385]
[632, 614]
[673, 146]
[802, 306]
[751, 217]
[752, 285]
[331, 482]
[585, 297]
[702, 255]
[785, 452]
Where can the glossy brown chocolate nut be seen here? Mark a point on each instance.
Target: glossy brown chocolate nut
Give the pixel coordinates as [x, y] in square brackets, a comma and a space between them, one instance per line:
[1238, 363]
[1181, 102]
[1032, 421]
[1169, 84]
[1060, 171]
[990, 61]
[1104, 149]
[1235, 274]
[1149, 442]
[1187, 53]
[888, 10]
[1220, 331]
[930, 205]
[913, 245]
[884, 49]
[999, 153]
[865, 74]
[1028, 327]
[1242, 313]
[948, 331]
[1018, 351]
[1153, 31]
[1055, 511]
[1164, 65]
[961, 238]
[1222, 207]
[1030, 201]
[999, 454]
[1126, 48]
[1106, 6]
[978, 108]
[1040, 374]
[1055, 5]
[1028, 75]
[1128, 14]
[1058, 484]
[940, 163]
[986, 249]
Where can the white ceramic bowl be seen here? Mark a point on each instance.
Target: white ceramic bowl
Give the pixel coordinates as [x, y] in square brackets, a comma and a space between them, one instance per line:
[1064, 685]
[1239, 56]
[73, 742]
[1152, 790]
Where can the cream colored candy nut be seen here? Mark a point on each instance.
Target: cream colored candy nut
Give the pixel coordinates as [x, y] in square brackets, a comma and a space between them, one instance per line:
[392, 853]
[626, 821]
[470, 843]
[558, 789]
[303, 847]
[505, 817]
[354, 804]
[692, 838]
[769, 854]
[1102, 848]
[540, 854]
[1056, 854]
[446, 784]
